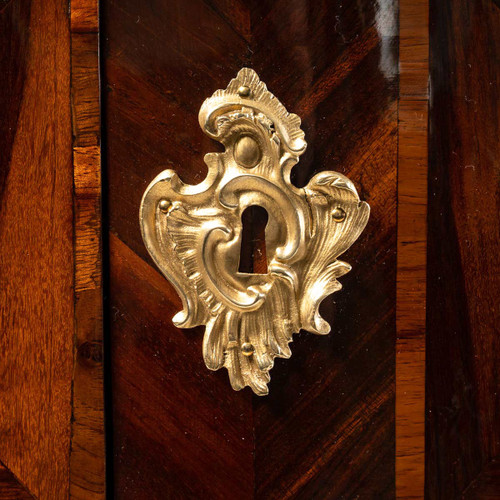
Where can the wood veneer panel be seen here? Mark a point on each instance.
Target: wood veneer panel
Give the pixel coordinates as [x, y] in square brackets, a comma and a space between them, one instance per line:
[36, 246]
[327, 429]
[412, 248]
[87, 461]
[463, 279]
[179, 430]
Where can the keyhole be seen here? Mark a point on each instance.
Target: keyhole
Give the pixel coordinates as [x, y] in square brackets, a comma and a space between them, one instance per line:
[253, 258]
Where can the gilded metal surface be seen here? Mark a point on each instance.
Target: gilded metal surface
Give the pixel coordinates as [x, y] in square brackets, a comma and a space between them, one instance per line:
[193, 233]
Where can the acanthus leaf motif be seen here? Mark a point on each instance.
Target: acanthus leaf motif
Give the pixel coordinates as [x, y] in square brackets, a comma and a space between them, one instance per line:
[193, 233]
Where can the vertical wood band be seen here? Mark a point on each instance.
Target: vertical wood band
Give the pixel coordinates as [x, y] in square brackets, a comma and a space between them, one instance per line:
[412, 248]
[463, 279]
[87, 460]
[36, 249]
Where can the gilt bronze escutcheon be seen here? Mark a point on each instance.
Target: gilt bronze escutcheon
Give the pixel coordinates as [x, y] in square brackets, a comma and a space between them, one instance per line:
[194, 232]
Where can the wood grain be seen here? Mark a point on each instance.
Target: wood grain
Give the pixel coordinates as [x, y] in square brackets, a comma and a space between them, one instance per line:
[36, 246]
[10, 487]
[84, 16]
[327, 429]
[253, 255]
[463, 279]
[87, 186]
[412, 248]
[87, 461]
[179, 430]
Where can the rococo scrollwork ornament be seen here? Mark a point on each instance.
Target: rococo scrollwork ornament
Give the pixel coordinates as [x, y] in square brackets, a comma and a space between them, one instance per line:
[193, 233]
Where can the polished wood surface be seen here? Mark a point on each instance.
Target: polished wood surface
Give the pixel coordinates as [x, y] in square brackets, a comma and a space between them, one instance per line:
[84, 16]
[463, 279]
[327, 428]
[10, 487]
[87, 460]
[345, 415]
[36, 246]
[412, 248]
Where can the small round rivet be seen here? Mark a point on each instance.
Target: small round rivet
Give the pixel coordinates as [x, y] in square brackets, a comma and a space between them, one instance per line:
[164, 206]
[247, 349]
[244, 91]
[338, 214]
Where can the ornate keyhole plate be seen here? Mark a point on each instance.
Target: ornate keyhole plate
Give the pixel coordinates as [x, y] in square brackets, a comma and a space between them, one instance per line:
[193, 233]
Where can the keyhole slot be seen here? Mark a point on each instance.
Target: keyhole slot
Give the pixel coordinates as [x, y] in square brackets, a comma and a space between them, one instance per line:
[253, 257]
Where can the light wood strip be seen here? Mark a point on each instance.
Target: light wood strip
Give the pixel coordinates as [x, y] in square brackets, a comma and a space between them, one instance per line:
[87, 460]
[412, 248]
[84, 16]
